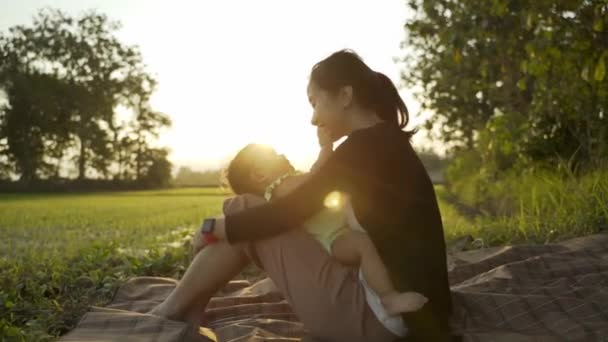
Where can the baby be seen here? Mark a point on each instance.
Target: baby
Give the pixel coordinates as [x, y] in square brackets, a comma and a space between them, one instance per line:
[259, 169]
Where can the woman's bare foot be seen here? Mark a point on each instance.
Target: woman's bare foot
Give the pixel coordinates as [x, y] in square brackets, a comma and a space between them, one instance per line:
[396, 302]
[193, 316]
[161, 311]
[157, 311]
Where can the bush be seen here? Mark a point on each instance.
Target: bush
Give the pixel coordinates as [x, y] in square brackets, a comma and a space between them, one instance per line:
[533, 204]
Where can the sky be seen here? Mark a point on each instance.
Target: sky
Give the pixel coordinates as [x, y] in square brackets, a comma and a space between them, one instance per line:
[234, 72]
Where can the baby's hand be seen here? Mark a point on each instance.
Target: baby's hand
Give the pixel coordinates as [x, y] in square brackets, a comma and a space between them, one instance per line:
[324, 137]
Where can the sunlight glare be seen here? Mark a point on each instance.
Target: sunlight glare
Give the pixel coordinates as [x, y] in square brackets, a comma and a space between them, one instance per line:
[335, 200]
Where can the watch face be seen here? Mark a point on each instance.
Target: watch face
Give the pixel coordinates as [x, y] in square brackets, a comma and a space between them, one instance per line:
[208, 225]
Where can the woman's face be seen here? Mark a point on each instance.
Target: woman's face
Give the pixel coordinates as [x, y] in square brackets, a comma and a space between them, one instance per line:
[328, 110]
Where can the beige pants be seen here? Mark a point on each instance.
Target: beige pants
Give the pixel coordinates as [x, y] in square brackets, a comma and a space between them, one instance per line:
[326, 295]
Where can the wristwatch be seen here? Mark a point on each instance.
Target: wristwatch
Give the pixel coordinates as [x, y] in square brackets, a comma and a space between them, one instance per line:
[207, 229]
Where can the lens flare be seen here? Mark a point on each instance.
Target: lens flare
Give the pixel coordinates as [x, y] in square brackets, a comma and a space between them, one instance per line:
[335, 200]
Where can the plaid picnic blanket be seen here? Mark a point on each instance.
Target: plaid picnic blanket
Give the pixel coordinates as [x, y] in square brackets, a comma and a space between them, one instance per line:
[552, 292]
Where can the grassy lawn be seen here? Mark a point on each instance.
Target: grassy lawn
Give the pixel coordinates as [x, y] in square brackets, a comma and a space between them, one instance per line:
[540, 207]
[455, 224]
[62, 225]
[60, 253]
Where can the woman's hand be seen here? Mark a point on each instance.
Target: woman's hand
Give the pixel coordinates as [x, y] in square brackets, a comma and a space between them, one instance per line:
[325, 138]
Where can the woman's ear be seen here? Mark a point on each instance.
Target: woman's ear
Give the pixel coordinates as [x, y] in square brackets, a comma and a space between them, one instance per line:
[346, 96]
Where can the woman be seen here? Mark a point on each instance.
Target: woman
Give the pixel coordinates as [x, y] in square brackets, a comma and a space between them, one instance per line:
[392, 198]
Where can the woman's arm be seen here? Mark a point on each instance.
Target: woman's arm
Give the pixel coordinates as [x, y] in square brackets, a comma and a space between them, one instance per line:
[290, 211]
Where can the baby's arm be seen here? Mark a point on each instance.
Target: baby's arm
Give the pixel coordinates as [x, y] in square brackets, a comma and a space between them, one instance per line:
[326, 150]
[324, 155]
[289, 184]
[293, 182]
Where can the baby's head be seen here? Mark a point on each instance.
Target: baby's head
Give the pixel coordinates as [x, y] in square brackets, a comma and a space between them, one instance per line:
[254, 167]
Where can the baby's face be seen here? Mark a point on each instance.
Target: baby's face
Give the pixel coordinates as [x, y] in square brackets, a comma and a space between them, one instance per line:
[271, 165]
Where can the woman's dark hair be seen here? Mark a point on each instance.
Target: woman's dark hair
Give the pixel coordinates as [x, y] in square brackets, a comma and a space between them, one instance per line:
[371, 89]
[238, 173]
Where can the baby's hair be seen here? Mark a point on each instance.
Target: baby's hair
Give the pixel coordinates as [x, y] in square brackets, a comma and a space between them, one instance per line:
[237, 176]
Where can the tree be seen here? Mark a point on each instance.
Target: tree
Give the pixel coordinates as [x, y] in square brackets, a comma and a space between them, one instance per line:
[187, 177]
[35, 116]
[64, 77]
[6, 166]
[146, 126]
[156, 168]
[513, 79]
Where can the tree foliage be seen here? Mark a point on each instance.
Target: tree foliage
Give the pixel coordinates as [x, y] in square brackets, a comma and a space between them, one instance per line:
[64, 78]
[513, 79]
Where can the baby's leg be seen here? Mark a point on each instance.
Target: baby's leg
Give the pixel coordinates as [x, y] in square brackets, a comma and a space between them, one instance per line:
[356, 248]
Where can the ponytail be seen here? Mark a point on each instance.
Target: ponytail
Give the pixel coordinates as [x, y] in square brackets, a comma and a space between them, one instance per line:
[390, 106]
[371, 89]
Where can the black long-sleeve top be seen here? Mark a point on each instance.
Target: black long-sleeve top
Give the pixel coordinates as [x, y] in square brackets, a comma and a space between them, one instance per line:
[393, 199]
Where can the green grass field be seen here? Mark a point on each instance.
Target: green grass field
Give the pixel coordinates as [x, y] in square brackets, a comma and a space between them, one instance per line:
[61, 253]
[62, 225]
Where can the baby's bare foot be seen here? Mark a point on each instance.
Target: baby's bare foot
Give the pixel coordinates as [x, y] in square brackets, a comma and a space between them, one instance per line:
[396, 302]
